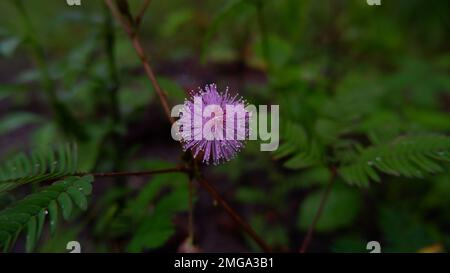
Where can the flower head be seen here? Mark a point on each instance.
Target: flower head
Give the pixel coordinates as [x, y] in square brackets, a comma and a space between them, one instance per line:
[214, 125]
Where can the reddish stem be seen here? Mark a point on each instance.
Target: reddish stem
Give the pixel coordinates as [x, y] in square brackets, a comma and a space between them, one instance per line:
[310, 233]
[141, 14]
[131, 31]
[139, 173]
[216, 196]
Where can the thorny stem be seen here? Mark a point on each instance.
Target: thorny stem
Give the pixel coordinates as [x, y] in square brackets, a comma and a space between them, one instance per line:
[140, 16]
[310, 232]
[216, 197]
[142, 56]
[131, 31]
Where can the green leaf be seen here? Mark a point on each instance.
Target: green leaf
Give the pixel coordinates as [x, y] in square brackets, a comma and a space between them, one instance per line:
[153, 232]
[66, 205]
[31, 234]
[39, 165]
[31, 211]
[340, 210]
[410, 156]
[350, 244]
[404, 231]
[40, 222]
[53, 211]
[78, 197]
[16, 120]
[9, 46]
[166, 195]
[299, 150]
[251, 195]
[230, 10]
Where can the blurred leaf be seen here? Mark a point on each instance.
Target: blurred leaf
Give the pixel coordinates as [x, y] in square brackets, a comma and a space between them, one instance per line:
[275, 235]
[135, 96]
[280, 51]
[8, 46]
[350, 244]
[30, 212]
[229, 11]
[251, 195]
[173, 89]
[38, 165]
[157, 228]
[175, 21]
[58, 242]
[148, 216]
[297, 147]
[16, 120]
[410, 156]
[340, 210]
[403, 231]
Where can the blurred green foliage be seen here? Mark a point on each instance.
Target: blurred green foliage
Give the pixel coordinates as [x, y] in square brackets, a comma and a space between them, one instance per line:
[363, 89]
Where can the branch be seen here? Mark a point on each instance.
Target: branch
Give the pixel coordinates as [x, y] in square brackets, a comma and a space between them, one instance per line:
[140, 16]
[247, 228]
[130, 30]
[139, 173]
[310, 233]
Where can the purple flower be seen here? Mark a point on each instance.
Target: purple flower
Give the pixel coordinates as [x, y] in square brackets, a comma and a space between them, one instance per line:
[214, 125]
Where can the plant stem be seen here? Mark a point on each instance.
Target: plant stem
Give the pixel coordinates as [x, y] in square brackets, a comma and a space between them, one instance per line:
[310, 233]
[247, 228]
[140, 16]
[131, 31]
[142, 56]
[138, 173]
[191, 213]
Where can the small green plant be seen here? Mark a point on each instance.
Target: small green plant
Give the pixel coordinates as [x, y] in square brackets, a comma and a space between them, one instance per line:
[30, 213]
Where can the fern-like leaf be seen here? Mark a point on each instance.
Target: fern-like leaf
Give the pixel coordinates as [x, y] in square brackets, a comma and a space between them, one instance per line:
[37, 166]
[30, 212]
[410, 156]
[299, 150]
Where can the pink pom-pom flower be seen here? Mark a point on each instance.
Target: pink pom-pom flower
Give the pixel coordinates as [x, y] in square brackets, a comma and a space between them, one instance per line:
[228, 133]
